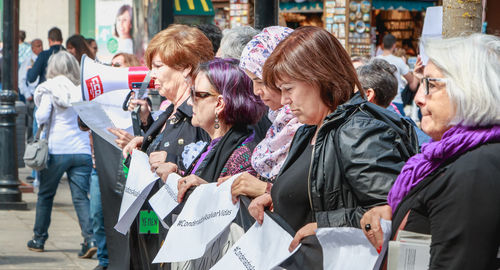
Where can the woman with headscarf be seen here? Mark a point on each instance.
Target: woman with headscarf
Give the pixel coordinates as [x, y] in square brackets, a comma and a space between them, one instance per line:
[270, 154]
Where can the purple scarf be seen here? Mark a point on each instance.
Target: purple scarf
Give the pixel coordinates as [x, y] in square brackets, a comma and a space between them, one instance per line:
[456, 141]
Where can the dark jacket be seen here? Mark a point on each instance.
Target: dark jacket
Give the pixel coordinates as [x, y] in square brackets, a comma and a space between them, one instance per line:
[39, 68]
[178, 133]
[459, 205]
[359, 152]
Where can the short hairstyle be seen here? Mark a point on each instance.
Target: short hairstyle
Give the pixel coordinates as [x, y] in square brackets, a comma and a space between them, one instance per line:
[22, 35]
[234, 41]
[55, 34]
[242, 107]
[180, 47]
[130, 59]
[378, 75]
[388, 41]
[81, 47]
[63, 63]
[122, 10]
[213, 33]
[311, 54]
[473, 83]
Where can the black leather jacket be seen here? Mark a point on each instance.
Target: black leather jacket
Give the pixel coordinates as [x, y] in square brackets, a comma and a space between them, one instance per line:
[359, 152]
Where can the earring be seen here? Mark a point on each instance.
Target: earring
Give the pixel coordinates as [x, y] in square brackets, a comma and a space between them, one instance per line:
[216, 125]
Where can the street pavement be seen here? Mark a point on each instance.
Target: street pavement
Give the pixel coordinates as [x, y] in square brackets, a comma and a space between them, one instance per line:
[63, 245]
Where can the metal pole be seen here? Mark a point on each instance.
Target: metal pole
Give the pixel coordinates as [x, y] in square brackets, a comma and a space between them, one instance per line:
[10, 195]
[167, 13]
[266, 13]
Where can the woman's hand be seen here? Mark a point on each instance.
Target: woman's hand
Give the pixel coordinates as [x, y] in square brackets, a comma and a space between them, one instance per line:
[247, 185]
[308, 229]
[185, 183]
[257, 206]
[165, 169]
[156, 159]
[145, 109]
[135, 143]
[418, 70]
[122, 137]
[370, 223]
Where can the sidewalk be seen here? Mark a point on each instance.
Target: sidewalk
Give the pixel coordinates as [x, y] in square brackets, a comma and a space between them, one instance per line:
[63, 245]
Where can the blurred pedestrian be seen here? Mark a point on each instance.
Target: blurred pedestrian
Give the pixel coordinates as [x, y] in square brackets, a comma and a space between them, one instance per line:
[234, 41]
[69, 150]
[39, 68]
[77, 46]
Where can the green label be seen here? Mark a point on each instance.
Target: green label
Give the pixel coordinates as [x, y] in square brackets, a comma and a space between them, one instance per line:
[149, 222]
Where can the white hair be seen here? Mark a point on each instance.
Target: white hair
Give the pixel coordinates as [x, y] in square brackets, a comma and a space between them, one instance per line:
[472, 66]
[234, 41]
[63, 63]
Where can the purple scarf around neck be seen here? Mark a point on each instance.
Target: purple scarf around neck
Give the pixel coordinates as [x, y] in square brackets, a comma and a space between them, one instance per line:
[456, 141]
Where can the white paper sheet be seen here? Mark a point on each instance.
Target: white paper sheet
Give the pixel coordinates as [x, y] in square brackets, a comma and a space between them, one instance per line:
[348, 248]
[165, 200]
[93, 115]
[111, 103]
[207, 212]
[263, 247]
[140, 180]
[433, 28]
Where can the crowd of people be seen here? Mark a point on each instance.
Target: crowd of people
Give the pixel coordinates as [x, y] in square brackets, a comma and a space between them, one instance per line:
[318, 141]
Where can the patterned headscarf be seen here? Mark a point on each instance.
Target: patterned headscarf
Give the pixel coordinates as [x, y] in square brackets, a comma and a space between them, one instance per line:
[260, 48]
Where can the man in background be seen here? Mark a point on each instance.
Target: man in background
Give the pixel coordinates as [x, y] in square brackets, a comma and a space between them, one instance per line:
[389, 45]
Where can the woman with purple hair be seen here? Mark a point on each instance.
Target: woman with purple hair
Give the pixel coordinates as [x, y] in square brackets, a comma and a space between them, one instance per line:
[224, 106]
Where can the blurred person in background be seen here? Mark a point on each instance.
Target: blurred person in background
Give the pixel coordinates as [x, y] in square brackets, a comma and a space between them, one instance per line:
[39, 68]
[234, 41]
[69, 150]
[92, 44]
[403, 71]
[78, 46]
[213, 33]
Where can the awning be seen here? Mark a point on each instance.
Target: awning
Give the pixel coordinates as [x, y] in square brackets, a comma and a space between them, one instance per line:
[193, 8]
[402, 5]
[305, 7]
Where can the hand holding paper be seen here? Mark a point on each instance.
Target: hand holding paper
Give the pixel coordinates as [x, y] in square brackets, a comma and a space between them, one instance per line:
[206, 214]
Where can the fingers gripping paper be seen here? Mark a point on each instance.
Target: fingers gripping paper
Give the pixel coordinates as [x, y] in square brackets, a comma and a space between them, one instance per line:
[140, 180]
[262, 247]
[165, 200]
[207, 212]
[348, 248]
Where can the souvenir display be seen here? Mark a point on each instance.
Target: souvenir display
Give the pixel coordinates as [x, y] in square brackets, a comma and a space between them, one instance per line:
[239, 12]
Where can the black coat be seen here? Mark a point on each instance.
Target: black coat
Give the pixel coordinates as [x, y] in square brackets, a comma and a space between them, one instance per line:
[359, 152]
[459, 205]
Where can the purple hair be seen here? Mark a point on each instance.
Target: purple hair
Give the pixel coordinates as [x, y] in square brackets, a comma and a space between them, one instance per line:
[242, 106]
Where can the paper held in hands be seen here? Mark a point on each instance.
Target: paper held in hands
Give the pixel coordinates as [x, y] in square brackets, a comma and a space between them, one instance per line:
[207, 213]
[140, 180]
[261, 247]
[348, 248]
[165, 200]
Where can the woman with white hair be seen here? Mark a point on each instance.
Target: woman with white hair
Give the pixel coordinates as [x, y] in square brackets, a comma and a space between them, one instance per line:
[451, 189]
[69, 150]
[234, 41]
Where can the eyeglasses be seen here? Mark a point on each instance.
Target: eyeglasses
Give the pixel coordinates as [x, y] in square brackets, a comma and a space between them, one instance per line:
[428, 86]
[196, 95]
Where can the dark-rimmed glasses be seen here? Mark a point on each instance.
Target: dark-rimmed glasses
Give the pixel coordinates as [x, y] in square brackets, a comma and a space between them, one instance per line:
[426, 81]
[200, 94]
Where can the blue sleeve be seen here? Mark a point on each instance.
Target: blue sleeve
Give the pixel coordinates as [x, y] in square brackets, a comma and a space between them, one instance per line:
[37, 69]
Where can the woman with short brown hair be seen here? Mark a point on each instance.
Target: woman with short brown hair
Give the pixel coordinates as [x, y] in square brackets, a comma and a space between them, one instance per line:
[345, 158]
